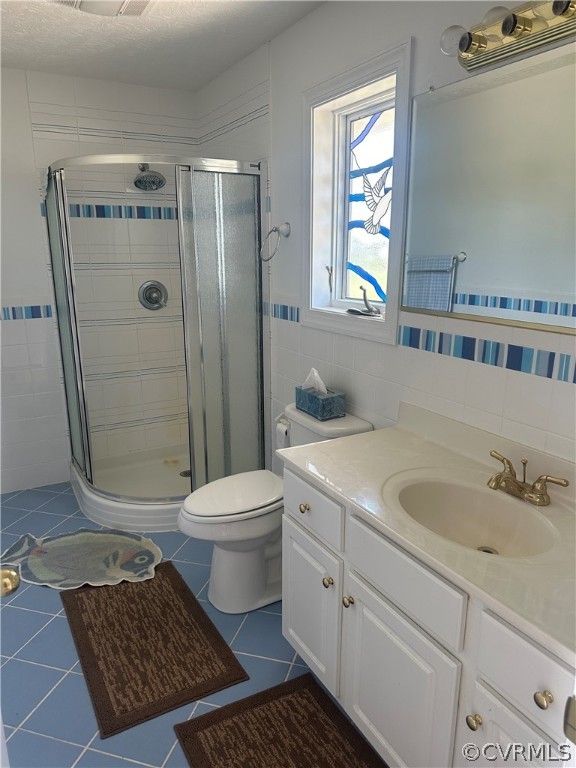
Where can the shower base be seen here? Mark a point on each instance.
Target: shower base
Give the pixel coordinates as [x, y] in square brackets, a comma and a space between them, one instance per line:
[148, 488]
[145, 475]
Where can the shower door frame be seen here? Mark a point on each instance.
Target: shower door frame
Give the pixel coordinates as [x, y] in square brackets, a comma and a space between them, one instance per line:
[178, 162]
[64, 241]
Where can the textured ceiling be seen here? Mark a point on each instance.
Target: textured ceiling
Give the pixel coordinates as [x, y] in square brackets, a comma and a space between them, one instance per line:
[177, 44]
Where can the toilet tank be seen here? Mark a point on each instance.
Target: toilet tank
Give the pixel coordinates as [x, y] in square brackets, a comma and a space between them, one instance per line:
[306, 429]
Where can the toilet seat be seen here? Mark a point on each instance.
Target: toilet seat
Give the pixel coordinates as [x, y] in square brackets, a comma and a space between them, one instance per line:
[240, 496]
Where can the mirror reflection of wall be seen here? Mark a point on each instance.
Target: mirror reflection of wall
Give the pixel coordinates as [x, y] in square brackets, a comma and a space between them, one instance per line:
[493, 174]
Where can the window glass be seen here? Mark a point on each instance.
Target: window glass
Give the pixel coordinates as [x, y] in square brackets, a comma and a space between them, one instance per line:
[370, 178]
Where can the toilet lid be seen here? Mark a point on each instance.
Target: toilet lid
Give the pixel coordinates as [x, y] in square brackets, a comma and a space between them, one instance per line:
[235, 494]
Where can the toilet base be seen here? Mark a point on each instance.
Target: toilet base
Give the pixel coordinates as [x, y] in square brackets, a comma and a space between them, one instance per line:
[272, 594]
[244, 581]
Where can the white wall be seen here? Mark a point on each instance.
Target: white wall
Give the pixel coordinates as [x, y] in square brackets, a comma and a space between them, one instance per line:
[531, 409]
[34, 443]
[46, 118]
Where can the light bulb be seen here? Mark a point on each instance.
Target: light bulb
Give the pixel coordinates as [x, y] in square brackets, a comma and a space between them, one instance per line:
[517, 26]
[472, 42]
[564, 8]
[495, 15]
[494, 18]
[450, 40]
[543, 10]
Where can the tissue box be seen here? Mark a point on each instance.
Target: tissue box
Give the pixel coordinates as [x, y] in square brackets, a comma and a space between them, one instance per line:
[332, 405]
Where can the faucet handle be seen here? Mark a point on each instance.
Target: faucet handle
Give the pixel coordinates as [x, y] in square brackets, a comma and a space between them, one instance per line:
[507, 463]
[543, 479]
[538, 494]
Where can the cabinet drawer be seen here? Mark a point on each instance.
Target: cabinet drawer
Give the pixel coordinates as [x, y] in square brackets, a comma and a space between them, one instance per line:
[314, 510]
[501, 732]
[532, 670]
[433, 603]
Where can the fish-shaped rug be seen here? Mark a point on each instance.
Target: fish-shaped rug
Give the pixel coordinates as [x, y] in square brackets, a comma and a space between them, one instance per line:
[84, 557]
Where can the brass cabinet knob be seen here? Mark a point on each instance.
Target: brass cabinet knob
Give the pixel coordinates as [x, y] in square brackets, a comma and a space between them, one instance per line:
[327, 581]
[473, 722]
[347, 601]
[543, 699]
[9, 581]
[304, 508]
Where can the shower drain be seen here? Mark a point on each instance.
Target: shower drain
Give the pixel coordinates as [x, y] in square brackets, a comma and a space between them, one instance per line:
[186, 473]
[488, 550]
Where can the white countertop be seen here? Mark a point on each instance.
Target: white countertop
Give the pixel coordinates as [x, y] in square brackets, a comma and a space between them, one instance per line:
[536, 594]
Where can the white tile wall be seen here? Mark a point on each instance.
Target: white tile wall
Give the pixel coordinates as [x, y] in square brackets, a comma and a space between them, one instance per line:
[375, 377]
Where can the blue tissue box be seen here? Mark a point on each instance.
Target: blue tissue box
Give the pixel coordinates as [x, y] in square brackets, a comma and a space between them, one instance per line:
[332, 405]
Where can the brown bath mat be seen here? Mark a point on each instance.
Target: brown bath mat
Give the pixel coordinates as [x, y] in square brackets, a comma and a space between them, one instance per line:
[146, 647]
[293, 725]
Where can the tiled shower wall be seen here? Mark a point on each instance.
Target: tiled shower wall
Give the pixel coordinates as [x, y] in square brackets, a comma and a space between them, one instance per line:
[133, 357]
[46, 118]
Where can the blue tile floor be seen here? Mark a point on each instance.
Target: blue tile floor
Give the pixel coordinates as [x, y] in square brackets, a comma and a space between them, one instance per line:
[48, 717]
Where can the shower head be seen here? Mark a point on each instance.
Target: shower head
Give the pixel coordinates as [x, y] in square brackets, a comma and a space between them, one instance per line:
[147, 180]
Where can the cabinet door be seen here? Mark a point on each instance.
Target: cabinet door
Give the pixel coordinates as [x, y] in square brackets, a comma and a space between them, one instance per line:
[504, 737]
[311, 611]
[399, 686]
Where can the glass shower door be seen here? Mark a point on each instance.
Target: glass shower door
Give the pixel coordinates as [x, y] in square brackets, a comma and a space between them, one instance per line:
[219, 219]
[122, 252]
[59, 237]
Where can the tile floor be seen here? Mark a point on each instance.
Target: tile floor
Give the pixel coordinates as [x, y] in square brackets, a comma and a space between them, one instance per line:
[48, 717]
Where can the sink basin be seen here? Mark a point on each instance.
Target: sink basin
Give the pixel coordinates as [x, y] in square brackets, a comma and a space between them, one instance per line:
[459, 506]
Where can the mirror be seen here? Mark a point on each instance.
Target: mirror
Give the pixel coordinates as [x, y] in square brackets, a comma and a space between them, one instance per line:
[492, 196]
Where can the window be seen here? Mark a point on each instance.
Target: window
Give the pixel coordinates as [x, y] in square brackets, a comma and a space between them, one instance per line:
[358, 136]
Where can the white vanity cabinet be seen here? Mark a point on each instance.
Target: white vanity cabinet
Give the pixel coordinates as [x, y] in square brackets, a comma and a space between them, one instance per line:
[397, 683]
[386, 635]
[502, 736]
[311, 602]
[398, 686]
[312, 569]
[517, 702]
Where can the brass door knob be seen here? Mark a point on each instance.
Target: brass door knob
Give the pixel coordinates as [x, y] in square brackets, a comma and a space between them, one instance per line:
[543, 699]
[473, 722]
[347, 601]
[327, 581]
[9, 581]
[304, 508]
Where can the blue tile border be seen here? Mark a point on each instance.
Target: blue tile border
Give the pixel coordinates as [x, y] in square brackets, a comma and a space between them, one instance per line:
[537, 362]
[27, 312]
[282, 312]
[516, 304]
[97, 211]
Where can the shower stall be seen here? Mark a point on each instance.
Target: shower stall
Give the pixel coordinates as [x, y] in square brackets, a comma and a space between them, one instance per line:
[158, 292]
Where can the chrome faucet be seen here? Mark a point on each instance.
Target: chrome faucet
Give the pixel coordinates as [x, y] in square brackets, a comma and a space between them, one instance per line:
[534, 493]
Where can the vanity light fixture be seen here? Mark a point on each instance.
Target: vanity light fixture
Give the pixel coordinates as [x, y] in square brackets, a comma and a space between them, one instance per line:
[506, 32]
[111, 8]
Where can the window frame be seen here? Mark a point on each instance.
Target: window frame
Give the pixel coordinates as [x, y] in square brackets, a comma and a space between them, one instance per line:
[330, 164]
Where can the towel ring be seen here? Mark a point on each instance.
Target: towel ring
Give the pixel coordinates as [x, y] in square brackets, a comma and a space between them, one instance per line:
[282, 230]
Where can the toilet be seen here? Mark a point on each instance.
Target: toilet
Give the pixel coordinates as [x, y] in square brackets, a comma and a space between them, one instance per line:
[242, 515]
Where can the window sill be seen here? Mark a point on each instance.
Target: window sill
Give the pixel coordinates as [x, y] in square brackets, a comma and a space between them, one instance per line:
[337, 320]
